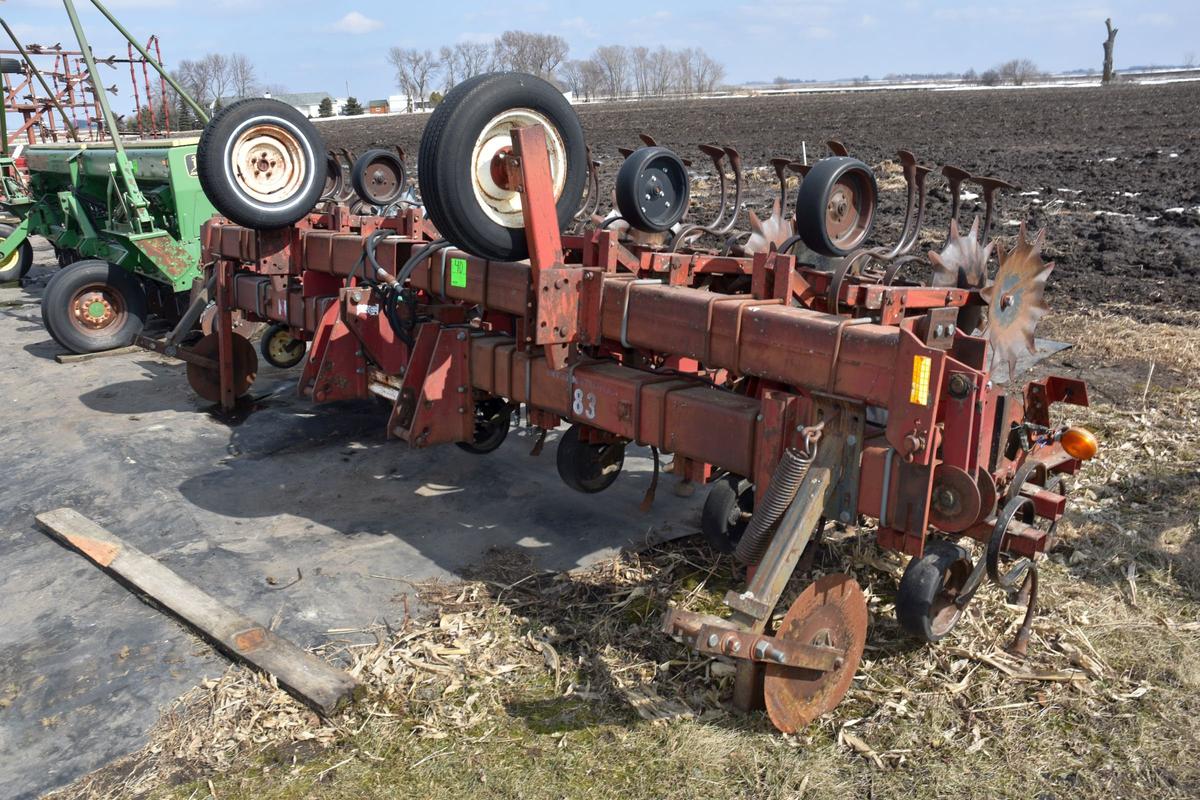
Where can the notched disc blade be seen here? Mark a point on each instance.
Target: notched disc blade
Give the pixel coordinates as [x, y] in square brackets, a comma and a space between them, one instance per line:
[962, 264]
[831, 612]
[207, 382]
[1016, 299]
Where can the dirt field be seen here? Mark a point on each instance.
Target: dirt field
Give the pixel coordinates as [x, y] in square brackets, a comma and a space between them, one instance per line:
[1115, 171]
[543, 685]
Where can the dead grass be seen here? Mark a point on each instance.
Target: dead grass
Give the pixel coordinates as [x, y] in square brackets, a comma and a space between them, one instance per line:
[530, 684]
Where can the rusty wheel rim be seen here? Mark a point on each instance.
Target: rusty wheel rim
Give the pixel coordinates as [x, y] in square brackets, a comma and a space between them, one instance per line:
[849, 211]
[96, 308]
[269, 163]
[500, 202]
[831, 612]
[383, 181]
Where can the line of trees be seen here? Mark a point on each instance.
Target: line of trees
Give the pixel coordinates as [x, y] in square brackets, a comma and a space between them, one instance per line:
[610, 72]
[1017, 72]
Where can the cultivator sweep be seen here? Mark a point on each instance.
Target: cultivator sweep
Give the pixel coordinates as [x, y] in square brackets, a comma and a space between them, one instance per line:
[790, 367]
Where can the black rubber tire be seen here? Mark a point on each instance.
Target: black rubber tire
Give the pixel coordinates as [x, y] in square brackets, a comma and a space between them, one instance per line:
[921, 586]
[335, 178]
[493, 418]
[296, 354]
[444, 168]
[726, 512]
[813, 198]
[45, 306]
[227, 195]
[11, 66]
[645, 169]
[68, 281]
[24, 257]
[360, 177]
[586, 467]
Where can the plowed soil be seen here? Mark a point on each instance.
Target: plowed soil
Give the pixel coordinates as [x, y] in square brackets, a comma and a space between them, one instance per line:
[1112, 174]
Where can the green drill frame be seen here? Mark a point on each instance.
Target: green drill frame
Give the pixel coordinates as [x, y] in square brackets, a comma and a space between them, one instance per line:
[136, 205]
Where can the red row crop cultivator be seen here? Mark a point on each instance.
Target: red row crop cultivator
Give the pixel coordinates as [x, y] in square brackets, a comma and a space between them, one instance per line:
[792, 370]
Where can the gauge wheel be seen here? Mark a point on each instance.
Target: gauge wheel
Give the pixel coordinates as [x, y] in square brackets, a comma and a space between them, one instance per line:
[19, 261]
[925, 604]
[280, 348]
[379, 177]
[727, 511]
[653, 189]
[835, 206]
[93, 306]
[262, 163]
[493, 417]
[461, 166]
[587, 467]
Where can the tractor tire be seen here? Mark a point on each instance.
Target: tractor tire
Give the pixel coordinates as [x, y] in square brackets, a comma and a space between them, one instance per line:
[262, 163]
[19, 262]
[93, 306]
[45, 306]
[378, 177]
[924, 606]
[835, 206]
[466, 133]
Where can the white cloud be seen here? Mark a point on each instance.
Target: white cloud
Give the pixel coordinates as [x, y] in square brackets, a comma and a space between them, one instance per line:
[357, 23]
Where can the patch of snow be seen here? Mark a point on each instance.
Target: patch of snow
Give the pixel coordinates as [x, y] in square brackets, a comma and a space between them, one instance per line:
[1030, 194]
[969, 196]
[1173, 210]
[1070, 191]
[1128, 194]
[1173, 155]
[1113, 214]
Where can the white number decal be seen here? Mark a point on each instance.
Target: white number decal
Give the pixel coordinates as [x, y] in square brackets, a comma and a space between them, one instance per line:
[584, 407]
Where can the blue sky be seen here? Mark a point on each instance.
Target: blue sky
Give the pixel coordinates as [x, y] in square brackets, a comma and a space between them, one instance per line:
[310, 45]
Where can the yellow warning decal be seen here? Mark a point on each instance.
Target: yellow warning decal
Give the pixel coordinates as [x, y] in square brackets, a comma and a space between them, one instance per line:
[922, 365]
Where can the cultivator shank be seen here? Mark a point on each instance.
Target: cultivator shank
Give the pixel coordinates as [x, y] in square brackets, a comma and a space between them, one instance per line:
[799, 376]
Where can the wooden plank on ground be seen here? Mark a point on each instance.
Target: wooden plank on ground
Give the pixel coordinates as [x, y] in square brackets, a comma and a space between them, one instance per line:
[75, 358]
[312, 680]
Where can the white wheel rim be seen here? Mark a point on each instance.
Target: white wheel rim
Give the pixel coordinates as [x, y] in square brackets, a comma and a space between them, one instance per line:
[502, 205]
[269, 163]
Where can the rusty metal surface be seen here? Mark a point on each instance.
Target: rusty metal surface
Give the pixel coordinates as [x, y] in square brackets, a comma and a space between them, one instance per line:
[1016, 298]
[831, 612]
[242, 369]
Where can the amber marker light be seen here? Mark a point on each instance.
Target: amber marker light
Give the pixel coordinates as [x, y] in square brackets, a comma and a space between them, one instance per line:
[1079, 443]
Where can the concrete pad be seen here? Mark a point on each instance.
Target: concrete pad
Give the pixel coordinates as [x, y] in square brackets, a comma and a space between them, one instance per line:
[86, 667]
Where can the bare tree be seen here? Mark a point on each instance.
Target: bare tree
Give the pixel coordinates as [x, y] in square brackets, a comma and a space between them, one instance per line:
[415, 70]
[448, 61]
[639, 59]
[1018, 72]
[474, 58]
[536, 53]
[663, 70]
[706, 72]
[571, 75]
[242, 76]
[1108, 44]
[613, 63]
[216, 69]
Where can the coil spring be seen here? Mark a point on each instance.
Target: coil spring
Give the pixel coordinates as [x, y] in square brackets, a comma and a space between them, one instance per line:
[785, 482]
